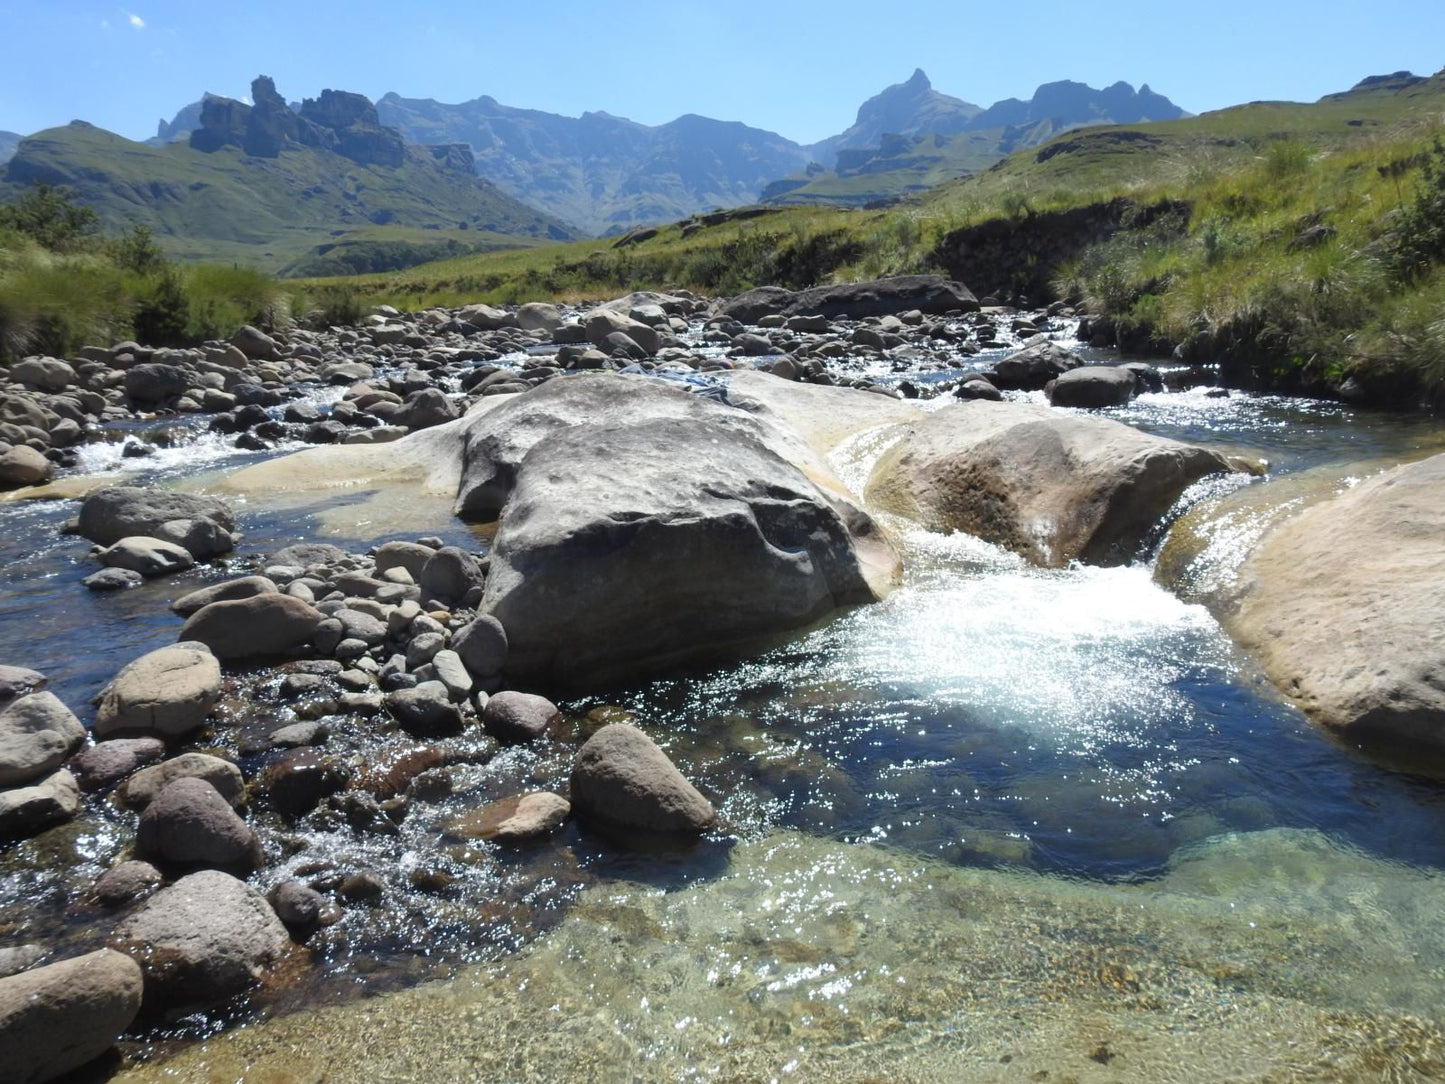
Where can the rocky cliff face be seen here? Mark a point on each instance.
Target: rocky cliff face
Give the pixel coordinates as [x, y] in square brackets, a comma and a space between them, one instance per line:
[337, 121]
[904, 109]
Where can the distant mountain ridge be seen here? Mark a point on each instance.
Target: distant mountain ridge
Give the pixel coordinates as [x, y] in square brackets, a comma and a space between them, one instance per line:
[904, 109]
[601, 172]
[325, 188]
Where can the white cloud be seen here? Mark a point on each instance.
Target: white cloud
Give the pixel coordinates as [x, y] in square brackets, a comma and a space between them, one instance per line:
[137, 22]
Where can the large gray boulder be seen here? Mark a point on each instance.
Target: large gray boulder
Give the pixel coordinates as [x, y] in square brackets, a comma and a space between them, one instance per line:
[856, 300]
[22, 465]
[27, 810]
[37, 734]
[165, 693]
[1051, 487]
[512, 717]
[148, 556]
[59, 1017]
[666, 526]
[1342, 604]
[203, 940]
[115, 512]
[109, 762]
[189, 824]
[227, 591]
[258, 627]
[623, 779]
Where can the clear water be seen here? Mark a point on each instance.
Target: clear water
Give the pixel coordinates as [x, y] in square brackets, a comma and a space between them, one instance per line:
[1009, 822]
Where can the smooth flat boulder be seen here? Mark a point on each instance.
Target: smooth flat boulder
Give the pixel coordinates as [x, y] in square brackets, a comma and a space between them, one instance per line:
[512, 717]
[115, 512]
[257, 627]
[1051, 487]
[37, 734]
[623, 779]
[665, 527]
[59, 1017]
[203, 940]
[855, 301]
[512, 820]
[1342, 604]
[164, 693]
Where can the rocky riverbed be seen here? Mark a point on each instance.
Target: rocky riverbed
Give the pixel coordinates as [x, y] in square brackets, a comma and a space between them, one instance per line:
[328, 759]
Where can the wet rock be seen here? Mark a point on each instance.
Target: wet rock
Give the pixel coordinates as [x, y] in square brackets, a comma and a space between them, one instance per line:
[224, 777]
[37, 734]
[113, 579]
[106, 764]
[392, 771]
[978, 388]
[513, 717]
[126, 883]
[18, 681]
[299, 781]
[115, 512]
[59, 1017]
[203, 940]
[1093, 386]
[666, 526]
[298, 906]
[202, 538]
[17, 958]
[27, 810]
[1032, 367]
[362, 887]
[622, 778]
[256, 627]
[308, 554]
[189, 824]
[512, 820]
[482, 647]
[299, 735]
[1051, 487]
[165, 693]
[148, 556]
[449, 574]
[1343, 605]
[230, 590]
[425, 711]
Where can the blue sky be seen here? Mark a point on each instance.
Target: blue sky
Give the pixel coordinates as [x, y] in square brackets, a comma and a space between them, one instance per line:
[794, 67]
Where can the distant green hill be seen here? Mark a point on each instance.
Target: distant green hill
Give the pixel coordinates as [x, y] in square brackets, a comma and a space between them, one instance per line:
[8, 142]
[305, 209]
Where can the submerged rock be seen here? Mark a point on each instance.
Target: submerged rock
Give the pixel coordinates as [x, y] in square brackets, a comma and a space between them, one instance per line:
[59, 1017]
[1049, 486]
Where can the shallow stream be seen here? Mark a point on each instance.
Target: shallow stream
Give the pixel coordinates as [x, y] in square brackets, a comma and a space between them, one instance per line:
[1008, 824]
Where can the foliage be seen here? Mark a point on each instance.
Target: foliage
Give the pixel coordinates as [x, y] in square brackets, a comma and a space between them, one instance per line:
[51, 218]
[1418, 235]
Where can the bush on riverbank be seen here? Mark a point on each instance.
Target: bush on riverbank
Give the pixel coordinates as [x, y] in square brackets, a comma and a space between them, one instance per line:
[63, 285]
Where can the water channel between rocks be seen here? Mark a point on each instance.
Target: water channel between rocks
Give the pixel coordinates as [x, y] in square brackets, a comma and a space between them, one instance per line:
[1008, 824]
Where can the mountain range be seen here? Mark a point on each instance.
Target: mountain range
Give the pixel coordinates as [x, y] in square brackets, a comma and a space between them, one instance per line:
[339, 184]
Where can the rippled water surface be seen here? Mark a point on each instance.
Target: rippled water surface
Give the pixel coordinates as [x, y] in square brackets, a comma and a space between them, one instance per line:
[1009, 822]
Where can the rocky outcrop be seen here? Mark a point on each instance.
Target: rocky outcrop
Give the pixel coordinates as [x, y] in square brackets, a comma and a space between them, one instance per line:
[203, 940]
[665, 527]
[623, 779]
[1051, 487]
[1342, 604]
[882, 297]
[59, 1017]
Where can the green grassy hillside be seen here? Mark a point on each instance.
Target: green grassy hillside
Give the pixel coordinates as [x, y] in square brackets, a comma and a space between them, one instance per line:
[276, 212]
